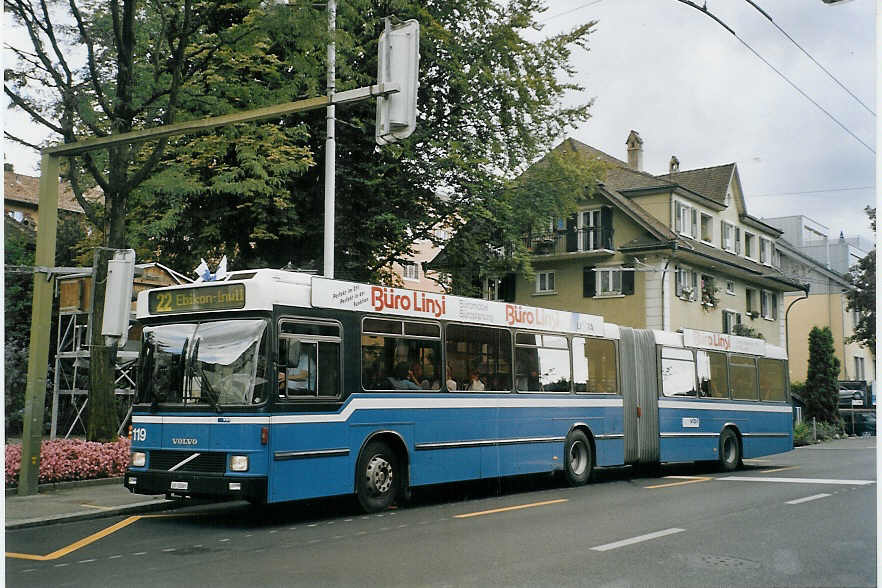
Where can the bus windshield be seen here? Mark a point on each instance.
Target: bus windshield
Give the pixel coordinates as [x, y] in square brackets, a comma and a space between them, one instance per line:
[213, 363]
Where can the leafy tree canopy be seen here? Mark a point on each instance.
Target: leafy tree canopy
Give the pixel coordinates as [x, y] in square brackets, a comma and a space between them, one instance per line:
[862, 296]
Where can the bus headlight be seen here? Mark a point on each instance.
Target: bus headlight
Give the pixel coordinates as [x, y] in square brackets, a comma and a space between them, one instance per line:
[239, 463]
[139, 459]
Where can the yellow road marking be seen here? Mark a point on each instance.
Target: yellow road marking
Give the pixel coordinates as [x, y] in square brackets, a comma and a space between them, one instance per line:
[508, 508]
[91, 538]
[688, 480]
[78, 544]
[780, 469]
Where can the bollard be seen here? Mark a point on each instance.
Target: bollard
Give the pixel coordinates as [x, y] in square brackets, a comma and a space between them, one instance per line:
[814, 430]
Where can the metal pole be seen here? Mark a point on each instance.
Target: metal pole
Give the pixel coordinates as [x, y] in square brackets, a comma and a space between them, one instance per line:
[330, 146]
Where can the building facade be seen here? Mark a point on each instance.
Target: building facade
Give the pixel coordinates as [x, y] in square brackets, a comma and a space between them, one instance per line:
[677, 250]
[811, 257]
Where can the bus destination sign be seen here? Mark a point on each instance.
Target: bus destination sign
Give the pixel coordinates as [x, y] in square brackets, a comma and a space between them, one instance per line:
[219, 297]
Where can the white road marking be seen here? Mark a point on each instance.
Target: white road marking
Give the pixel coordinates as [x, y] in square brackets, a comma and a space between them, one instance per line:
[114, 557]
[223, 540]
[86, 561]
[140, 553]
[807, 498]
[169, 549]
[800, 480]
[639, 539]
[64, 565]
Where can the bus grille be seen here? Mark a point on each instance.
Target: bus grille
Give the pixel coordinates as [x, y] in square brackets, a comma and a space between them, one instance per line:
[214, 463]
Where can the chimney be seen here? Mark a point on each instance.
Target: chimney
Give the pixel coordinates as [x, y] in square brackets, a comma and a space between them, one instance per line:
[635, 151]
[7, 167]
[674, 166]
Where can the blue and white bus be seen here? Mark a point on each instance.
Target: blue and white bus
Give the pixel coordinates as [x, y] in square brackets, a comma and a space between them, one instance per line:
[274, 386]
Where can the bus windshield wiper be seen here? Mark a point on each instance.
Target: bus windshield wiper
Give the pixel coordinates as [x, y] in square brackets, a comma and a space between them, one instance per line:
[212, 396]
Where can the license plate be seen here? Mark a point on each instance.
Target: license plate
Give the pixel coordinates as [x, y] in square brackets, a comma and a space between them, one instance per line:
[179, 485]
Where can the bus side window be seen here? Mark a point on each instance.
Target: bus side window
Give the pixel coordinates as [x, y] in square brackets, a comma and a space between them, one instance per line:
[595, 370]
[677, 372]
[713, 378]
[479, 358]
[743, 373]
[772, 380]
[309, 360]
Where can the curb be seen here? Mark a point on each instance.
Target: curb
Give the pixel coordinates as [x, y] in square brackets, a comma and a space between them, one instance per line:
[69, 484]
[139, 507]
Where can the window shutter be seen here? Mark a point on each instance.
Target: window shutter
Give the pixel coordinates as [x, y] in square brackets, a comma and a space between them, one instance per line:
[694, 228]
[694, 286]
[606, 227]
[627, 282]
[774, 301]
[749, 294]
[737, 241]
[572, 235]
[764, 304]
[678, 218]
[589, 287]
[507, 288]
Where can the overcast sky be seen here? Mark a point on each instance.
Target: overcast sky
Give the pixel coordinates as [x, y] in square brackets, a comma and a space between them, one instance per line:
[693, 90]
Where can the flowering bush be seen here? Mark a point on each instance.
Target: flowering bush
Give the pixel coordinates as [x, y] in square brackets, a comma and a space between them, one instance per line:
[72, 459]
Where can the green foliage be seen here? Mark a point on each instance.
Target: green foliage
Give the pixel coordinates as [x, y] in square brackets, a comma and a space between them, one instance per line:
[806, 433]
[745, 331]
[862, 296]
[821, 384]
[19, 244]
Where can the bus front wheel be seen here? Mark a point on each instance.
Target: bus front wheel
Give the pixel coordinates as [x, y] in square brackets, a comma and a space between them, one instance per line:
[577, 458]
[378, 477]
[730, 451]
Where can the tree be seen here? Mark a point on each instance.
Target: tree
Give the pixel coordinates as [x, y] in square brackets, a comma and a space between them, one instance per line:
[141, 63]
[821, 384]
[862, 296]
[19, 242]
[490, 102]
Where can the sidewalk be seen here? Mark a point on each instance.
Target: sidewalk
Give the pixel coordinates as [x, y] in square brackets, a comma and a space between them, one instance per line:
[74, 501]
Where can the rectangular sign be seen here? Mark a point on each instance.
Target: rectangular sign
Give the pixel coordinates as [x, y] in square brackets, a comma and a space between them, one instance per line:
[433, 305]
[219, 297]
[690, 423]
[721, 342]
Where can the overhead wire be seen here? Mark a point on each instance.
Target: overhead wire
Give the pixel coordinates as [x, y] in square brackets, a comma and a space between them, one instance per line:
[707, 12]
[809, 55]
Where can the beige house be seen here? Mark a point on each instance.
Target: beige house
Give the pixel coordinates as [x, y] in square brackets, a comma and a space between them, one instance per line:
[21, 197]
[677, 250]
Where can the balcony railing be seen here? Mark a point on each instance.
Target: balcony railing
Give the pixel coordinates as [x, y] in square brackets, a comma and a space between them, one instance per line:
[571, 241]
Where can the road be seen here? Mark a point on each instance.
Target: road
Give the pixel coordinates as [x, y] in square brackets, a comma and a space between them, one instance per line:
[804, 518]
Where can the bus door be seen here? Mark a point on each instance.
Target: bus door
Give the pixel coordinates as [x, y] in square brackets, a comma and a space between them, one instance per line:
[309, 451]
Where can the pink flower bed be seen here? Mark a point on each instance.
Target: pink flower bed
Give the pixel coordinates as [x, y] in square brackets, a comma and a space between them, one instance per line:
[71, 459]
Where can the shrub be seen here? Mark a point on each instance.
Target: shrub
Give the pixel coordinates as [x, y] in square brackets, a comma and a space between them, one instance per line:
[72, 459]
[803, 433]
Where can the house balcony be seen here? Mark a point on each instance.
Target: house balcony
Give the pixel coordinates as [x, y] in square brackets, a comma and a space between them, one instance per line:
[593, 241]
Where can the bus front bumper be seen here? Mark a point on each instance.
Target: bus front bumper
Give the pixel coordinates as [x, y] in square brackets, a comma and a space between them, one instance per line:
[199, 485]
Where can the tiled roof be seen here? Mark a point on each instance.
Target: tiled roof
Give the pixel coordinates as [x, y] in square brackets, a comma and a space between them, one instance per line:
[25, 190]
[710, 182]
[619, 175]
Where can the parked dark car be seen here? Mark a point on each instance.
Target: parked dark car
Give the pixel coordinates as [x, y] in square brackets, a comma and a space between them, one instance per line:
[860, 423]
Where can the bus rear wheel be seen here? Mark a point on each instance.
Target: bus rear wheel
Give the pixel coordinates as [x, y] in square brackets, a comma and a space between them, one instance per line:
[378, 477]
[577, 458]
[730, 451]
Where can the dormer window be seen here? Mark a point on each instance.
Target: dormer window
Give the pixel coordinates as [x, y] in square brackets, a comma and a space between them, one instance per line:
[685, 220]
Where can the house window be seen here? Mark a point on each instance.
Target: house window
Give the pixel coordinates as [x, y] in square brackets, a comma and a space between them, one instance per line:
[544, 282]
[609, 281]
[859, 373]
[728, 237]
[749, 245]
[686, 220]
[708, 291]
[589, 230]
[730, 319]
[707, 228]
[686, 283]
[750, 295]
[411, 271]
[493, 287]
[768, 305]
[765, 253]
[730, 287]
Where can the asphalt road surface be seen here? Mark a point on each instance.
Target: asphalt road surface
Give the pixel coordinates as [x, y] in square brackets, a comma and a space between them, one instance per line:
[804, 518]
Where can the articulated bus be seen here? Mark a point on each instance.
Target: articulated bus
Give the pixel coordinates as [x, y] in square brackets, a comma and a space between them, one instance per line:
[274, 386]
